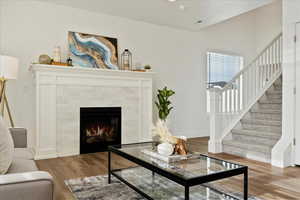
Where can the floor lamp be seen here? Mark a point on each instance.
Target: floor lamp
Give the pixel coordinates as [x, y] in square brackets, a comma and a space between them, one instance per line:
[8, 71]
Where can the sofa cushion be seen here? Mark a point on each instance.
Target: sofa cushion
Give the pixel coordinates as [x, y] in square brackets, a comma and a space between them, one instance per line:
[6, 148]
[23, 153]
[21, 166]
[19, 136]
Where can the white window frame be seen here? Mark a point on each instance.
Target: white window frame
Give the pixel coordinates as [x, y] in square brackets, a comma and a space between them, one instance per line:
[242, 62]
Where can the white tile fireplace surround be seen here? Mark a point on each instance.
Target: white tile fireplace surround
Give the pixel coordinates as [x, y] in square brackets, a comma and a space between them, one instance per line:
[62, 91]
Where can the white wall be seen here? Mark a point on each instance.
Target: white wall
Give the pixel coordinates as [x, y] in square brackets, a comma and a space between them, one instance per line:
[268, 24]
[248, 34]
[30, 28]
[1, 22]
[234, 36]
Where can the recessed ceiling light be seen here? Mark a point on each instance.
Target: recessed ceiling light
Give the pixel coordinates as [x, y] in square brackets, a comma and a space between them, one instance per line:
[171, 0]
[181, 7]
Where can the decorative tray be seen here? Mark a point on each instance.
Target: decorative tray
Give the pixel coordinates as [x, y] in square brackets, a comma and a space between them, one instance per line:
[168, 159]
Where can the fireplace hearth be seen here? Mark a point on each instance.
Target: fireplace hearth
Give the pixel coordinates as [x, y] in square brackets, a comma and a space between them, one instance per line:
[99, 128]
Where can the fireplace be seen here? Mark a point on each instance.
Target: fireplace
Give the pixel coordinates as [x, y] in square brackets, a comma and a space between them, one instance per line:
[99, 128]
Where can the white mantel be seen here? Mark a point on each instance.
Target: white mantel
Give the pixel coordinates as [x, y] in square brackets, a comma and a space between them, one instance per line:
[62, 91]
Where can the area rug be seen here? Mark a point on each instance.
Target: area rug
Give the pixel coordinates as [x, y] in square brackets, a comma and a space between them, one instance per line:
[160, 188]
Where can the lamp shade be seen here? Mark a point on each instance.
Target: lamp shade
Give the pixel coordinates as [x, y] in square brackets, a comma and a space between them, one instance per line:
[8, 67]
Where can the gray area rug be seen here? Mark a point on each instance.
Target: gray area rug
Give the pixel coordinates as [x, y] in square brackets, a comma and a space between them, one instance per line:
[97, 188]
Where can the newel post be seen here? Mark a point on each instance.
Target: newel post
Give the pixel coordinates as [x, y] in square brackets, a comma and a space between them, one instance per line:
[215, 143]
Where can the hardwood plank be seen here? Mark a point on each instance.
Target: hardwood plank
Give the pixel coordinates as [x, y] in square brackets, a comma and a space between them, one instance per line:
[265, 181]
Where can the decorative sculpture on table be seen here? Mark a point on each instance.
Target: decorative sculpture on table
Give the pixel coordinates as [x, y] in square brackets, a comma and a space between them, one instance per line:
[94, 51]
[161, 130]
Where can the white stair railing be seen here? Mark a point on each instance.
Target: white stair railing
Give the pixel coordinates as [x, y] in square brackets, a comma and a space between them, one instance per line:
[231, 103]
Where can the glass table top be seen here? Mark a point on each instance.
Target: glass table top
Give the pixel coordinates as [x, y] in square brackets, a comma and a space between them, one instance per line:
[195, 166]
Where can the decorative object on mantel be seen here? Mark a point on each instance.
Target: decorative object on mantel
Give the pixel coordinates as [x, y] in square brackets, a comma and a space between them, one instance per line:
[126, 60]
[8, 70]
[57, 54]
[70, 61]
[45, 59]
[59, 64]
[147, 68]
[88, 50]
[138, 67]
[139, 70]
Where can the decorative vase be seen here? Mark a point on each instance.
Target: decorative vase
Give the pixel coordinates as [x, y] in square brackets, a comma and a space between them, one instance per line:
[45, 59]
[165, 149]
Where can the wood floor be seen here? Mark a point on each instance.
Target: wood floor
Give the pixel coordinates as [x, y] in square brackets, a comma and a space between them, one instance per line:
[265, 181]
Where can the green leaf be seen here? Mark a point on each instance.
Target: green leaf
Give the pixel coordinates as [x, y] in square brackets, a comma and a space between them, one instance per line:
[171, 93]
[163, 102]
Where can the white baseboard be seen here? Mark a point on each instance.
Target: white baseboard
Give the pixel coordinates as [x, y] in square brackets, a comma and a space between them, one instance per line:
[191, 133]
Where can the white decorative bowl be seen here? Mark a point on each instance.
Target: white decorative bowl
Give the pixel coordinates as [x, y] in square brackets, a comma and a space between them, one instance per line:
[165, 149]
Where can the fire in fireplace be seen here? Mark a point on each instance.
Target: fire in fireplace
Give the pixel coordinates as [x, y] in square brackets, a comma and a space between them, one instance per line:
[99, 128]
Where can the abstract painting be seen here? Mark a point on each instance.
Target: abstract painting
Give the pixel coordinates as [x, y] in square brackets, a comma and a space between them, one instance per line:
[93, 51]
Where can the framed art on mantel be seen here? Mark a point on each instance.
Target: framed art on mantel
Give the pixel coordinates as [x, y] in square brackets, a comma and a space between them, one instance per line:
[88, 50]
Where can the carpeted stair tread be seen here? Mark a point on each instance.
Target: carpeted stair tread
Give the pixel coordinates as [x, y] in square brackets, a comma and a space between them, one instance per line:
[249, 147]
[269, 101]
[261, 122]
[278, 84]
[255, 133]
[274, 96]
[265, 111]
[279, 92]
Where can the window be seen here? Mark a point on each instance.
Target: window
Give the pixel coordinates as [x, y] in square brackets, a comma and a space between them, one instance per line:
[221, 68]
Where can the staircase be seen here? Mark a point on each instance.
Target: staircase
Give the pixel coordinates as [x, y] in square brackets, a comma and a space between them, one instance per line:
[246, 114]
[260, 129]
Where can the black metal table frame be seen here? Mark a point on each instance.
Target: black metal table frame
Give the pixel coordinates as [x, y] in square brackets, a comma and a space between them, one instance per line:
[187, 183]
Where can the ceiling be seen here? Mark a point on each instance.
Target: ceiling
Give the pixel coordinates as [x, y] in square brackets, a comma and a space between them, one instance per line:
[167, 13]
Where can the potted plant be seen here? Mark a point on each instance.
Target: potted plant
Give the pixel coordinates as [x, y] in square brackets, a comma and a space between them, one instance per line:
[164, 104]
[147, 68]
[169, 144]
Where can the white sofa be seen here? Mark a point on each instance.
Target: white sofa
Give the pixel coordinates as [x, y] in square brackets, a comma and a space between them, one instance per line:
[24, 181]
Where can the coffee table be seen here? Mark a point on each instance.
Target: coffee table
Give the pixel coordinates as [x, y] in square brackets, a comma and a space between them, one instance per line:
[151, 177]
